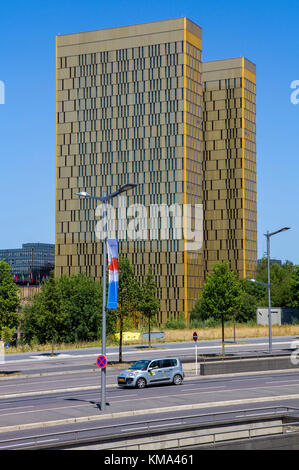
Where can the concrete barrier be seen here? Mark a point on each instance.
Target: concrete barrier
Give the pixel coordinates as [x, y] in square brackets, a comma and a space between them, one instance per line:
[284, 442]
[177, 439]
[245, 365]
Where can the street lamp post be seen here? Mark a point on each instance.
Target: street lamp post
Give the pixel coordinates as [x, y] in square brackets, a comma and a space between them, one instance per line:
[268, 235]
[268, 284]
[104, 199]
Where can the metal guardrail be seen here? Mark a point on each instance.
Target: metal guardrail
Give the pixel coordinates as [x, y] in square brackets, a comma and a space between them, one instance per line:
[148, 426]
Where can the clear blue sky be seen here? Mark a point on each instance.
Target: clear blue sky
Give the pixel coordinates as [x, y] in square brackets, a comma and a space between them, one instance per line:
[266, 32]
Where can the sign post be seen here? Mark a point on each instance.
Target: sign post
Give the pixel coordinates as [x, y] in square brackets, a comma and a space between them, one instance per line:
[195, 342]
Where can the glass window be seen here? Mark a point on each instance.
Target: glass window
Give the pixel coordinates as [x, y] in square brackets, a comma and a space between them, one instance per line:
[155, 365]
[169, 363]
[139, 365]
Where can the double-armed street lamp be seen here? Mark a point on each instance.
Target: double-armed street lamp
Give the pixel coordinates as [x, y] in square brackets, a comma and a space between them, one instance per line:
[104, 199]
[268, 285]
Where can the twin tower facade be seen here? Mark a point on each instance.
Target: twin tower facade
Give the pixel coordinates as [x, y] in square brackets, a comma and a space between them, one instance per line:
[137, 104]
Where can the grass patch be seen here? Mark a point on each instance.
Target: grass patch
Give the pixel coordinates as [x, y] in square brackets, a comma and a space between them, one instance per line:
[241, 331]
[173, 335]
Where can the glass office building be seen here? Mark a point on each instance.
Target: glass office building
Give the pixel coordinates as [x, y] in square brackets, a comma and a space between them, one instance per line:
[31, 263]
[137, 104]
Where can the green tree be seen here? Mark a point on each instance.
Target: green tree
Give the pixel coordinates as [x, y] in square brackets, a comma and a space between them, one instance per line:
[70, 306]
[295, 289]
[128, 296]
[9, 301]
[52, 320]
[221, 296]
[280, 279]
[81, 304]
[253, 296]
[149, 304]
[7, 334]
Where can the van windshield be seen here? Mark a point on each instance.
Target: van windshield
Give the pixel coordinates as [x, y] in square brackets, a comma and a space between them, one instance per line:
[139, 365]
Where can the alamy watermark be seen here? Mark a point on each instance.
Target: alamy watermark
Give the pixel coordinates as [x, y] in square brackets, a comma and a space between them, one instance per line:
[295, 94]
[156, 222]
[2, 92]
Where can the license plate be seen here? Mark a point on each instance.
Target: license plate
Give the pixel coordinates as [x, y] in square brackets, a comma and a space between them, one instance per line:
[121, 379]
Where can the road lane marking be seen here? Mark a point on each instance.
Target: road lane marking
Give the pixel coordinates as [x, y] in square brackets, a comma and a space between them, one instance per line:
[41, 410]
[42, 383]
[201, 389]
[15, 408]
[290, 382]
[48, 392]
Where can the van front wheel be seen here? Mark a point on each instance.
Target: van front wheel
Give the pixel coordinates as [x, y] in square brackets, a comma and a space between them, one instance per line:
[141, 383]
[177, 379]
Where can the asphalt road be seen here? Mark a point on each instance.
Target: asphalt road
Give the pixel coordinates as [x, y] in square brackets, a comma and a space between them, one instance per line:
[207, 395]
[50, 393]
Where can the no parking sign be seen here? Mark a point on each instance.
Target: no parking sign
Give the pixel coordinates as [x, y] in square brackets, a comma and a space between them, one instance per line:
[101, 361]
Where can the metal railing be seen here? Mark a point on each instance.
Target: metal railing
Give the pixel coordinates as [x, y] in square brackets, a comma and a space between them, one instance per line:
[115, 431]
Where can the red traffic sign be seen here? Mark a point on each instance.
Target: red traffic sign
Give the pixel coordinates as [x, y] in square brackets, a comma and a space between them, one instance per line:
[101, 361]
[195, 336]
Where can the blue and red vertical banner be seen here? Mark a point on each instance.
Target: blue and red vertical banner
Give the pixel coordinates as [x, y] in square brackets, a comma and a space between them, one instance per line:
[113, 273]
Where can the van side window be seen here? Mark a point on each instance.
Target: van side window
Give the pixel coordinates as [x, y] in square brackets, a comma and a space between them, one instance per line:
[155, 365]
[169, 363]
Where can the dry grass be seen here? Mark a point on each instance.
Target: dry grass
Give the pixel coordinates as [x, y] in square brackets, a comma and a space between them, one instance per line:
[48, 347]
[242, 331]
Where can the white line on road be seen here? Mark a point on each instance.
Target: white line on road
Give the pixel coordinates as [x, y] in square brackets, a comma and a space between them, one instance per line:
[75, 379]
[289, 382]
[199, 389]
[48, 392]
[41, 410]
[16, 408]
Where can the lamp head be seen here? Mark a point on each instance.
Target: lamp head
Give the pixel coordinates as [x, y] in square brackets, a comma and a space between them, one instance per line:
[126, 187]
[83, 194]
[277, 231]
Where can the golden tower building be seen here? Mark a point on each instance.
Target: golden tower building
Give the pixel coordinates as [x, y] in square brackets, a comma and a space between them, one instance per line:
[130, 109]
[229, 164]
